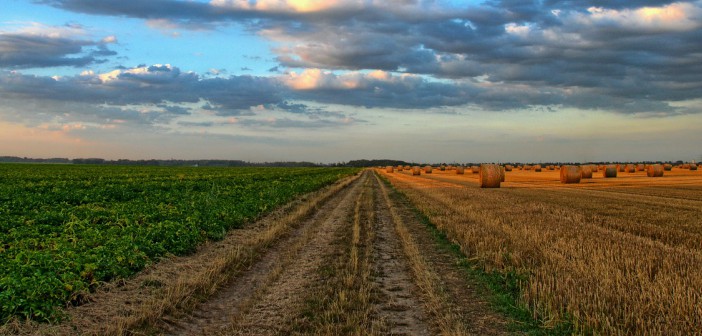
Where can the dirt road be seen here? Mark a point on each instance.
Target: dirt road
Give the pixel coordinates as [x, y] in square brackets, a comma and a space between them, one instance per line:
[353, 259]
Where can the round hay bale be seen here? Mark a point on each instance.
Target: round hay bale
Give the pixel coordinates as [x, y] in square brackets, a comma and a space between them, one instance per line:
[630, 168]
[416, 170]
[475, 169]
[442, 168]
[537, 168]
[508, 167]
[667, 167]
[640, 167]
[400, 168]
[551, 167]
[490, 176]
[527, 167]
[570, 174]
[609, 171]
[594, 168]
[428, 169]
[459, 170]
[389, 169]
[655, 170]
[621, 168]
[586, 172]
[685, 166]
[693, 166]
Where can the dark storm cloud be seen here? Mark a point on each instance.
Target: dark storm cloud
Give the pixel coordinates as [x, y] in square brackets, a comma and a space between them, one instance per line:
[21, 50]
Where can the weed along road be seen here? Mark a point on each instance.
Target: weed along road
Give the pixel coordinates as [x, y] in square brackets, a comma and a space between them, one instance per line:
[352, 258]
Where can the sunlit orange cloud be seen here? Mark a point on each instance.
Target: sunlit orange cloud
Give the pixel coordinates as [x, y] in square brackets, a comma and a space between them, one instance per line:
[43, 141]
[311, 79]
[299, 6]
[672, 17]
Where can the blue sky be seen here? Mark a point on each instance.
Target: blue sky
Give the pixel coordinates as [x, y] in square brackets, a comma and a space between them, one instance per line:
[330, 81]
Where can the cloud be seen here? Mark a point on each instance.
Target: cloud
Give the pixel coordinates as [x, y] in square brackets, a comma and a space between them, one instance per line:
[621, 56]
[148, 95]
[41, 46]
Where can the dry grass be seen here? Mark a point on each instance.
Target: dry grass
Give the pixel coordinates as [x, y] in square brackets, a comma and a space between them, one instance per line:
[620, 256]
[449, 323]
[344, 301]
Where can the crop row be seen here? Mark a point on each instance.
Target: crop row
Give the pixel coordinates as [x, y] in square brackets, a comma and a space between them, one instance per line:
[64, 229]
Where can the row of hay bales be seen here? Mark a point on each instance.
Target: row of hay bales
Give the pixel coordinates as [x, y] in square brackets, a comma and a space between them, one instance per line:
[628, 168]
[573, 174]
[491, 175]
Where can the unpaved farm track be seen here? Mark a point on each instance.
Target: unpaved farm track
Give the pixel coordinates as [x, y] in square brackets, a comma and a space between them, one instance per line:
[355, 260]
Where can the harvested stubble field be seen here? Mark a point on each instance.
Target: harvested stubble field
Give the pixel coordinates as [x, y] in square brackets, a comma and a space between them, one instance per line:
[612, 255]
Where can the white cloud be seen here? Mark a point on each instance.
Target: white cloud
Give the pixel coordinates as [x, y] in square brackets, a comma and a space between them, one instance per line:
[675, 17]
[43, 30]
[109, 39]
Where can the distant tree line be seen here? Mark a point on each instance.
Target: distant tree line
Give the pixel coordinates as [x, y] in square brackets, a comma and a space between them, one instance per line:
[155, 162]
[240, 163]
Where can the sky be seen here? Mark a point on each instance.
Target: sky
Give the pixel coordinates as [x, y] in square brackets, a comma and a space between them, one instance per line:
[330, 81]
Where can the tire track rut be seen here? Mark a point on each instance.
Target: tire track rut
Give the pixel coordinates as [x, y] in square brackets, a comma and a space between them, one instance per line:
[264, 298]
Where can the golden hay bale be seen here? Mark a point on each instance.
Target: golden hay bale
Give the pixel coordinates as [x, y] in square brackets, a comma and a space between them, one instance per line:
[416, 170]
[693, 166]
[475, 169]
[585, 172]
[630, 168]
[389, 169]
[428, 169]
[640, 167]
[594, 168]
[685, 166]
[570, 174]
[490, 176]
[400, 168]
[508, 167]
[527, 167]
[609, 171]
[502, 174]
[655, 170]
[551, 167]
[460, 170]
[668, 167]
[621, 168]
[537, 168]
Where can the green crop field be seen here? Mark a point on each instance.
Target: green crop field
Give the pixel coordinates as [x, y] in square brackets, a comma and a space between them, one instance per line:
[66, 228]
